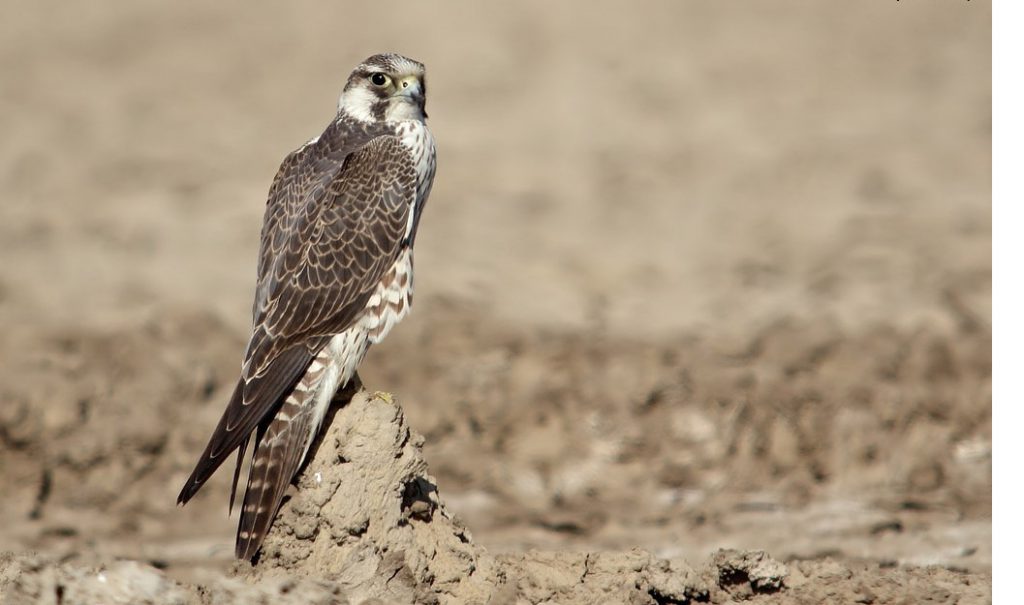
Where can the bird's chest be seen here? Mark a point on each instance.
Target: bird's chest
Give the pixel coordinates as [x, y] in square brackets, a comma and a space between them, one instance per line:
[416, 137]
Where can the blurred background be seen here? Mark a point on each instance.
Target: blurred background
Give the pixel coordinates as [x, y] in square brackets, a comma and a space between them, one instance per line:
[692, 275]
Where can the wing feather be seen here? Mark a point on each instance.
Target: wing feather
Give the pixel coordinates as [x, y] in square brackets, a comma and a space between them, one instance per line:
[248, 405]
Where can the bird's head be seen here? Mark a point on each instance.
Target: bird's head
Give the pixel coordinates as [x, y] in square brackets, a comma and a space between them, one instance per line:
[385, 87]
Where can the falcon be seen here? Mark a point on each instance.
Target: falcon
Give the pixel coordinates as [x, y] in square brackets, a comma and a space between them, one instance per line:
[334, 275]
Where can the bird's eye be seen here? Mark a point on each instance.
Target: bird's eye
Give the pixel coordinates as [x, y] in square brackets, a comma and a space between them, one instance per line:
[379, 79]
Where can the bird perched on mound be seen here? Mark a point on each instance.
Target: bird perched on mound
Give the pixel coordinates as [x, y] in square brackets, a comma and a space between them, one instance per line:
[334, 276]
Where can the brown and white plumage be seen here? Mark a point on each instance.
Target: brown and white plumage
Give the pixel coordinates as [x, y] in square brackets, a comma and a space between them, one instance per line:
[334, 275]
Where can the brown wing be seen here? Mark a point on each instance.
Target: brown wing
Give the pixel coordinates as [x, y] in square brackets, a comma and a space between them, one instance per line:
[319, 283]
[301, 182]
[334, 224]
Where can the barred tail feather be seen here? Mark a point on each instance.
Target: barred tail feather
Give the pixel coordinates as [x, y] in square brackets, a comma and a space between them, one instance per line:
[274, 464]
[277, 458]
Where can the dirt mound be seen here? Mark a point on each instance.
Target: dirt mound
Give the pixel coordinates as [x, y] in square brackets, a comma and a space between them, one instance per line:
[367, 524]
[368, 514]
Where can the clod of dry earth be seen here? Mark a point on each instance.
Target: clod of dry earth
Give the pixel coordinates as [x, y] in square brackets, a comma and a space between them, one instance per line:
[39, 579]
[367, 524]
[368, 515]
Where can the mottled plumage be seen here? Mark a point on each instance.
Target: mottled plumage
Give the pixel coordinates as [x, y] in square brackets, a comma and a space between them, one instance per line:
[334, 275]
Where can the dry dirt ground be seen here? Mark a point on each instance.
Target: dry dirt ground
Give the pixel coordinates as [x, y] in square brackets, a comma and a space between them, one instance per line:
[694, 276]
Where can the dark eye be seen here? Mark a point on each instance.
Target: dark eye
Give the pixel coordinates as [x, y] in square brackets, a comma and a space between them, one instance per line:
[379, 79]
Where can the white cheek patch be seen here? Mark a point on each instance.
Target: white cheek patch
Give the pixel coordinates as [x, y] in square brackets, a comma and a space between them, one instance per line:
[358, 103]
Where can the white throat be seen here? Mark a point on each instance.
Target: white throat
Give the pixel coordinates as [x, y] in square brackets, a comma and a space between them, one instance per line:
[400, 110]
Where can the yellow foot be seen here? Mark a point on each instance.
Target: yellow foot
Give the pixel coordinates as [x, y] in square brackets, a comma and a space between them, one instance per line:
[384, 396]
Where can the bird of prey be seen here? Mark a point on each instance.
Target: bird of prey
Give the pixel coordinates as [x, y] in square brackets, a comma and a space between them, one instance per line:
[334, 276]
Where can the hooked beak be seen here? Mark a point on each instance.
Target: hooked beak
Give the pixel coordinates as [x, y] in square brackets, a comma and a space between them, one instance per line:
[411, 88]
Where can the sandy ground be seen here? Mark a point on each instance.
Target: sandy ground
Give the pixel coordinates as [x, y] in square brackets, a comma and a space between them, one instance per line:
[694, 276]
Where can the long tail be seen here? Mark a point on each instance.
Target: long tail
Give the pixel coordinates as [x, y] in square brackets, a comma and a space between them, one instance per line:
[279, 452]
